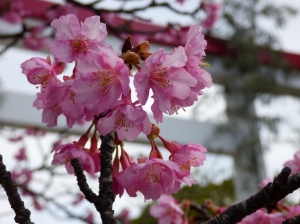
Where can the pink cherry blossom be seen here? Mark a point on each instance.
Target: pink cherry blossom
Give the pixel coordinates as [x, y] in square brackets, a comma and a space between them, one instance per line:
[212, 14]
[63, 95]
[189, 155]
[75, 40]
[127, 119]
[167, 211]
[39, 71]
[165, 75]
[152, 178]
[65, 153]
[294, 210]
[103, 77]
[195, 45]
[261, 217]
[294, 164]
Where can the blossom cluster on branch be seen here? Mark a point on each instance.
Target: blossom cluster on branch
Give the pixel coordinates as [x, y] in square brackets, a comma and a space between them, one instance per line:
[98, 91]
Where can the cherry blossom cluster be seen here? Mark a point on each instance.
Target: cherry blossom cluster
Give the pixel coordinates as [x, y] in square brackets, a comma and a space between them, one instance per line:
[169, 211]
[98, 91]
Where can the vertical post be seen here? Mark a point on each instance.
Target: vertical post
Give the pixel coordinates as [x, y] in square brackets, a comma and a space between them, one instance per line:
[248, 158]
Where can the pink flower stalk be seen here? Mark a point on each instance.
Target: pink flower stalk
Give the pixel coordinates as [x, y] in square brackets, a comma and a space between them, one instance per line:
[261, 217]
[101, 79]
[212, 11]
[89, 159]
[152, 178]
[75, 40]
[167, 211]
[21, 155]
[165, 75]
[294, 164]
[127, 119]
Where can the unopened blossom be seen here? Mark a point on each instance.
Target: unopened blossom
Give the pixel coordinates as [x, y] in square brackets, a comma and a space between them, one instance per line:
[167, 211]
[101, 79]
[294, 164]
[262, 217]
[127, 119]
[75, 40]
[164, 74]
[152, 178]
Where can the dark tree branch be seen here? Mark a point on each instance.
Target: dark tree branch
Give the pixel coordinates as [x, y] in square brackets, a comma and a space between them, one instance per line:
[106, 193]
[22, 214]
[81, 180]
[270, 194]
[104, 201]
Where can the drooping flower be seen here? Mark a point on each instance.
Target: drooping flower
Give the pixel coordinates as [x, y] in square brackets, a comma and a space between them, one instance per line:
[152, 178]
[167, 211]
[128, 119]
[294, 164]
[189, 155]
[101, 79]
[65, 153]
[75, 40]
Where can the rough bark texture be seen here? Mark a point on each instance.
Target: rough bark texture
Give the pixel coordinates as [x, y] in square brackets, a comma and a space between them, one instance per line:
[270, 194]
[104, 201]
[106, 193]
[22, 214]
